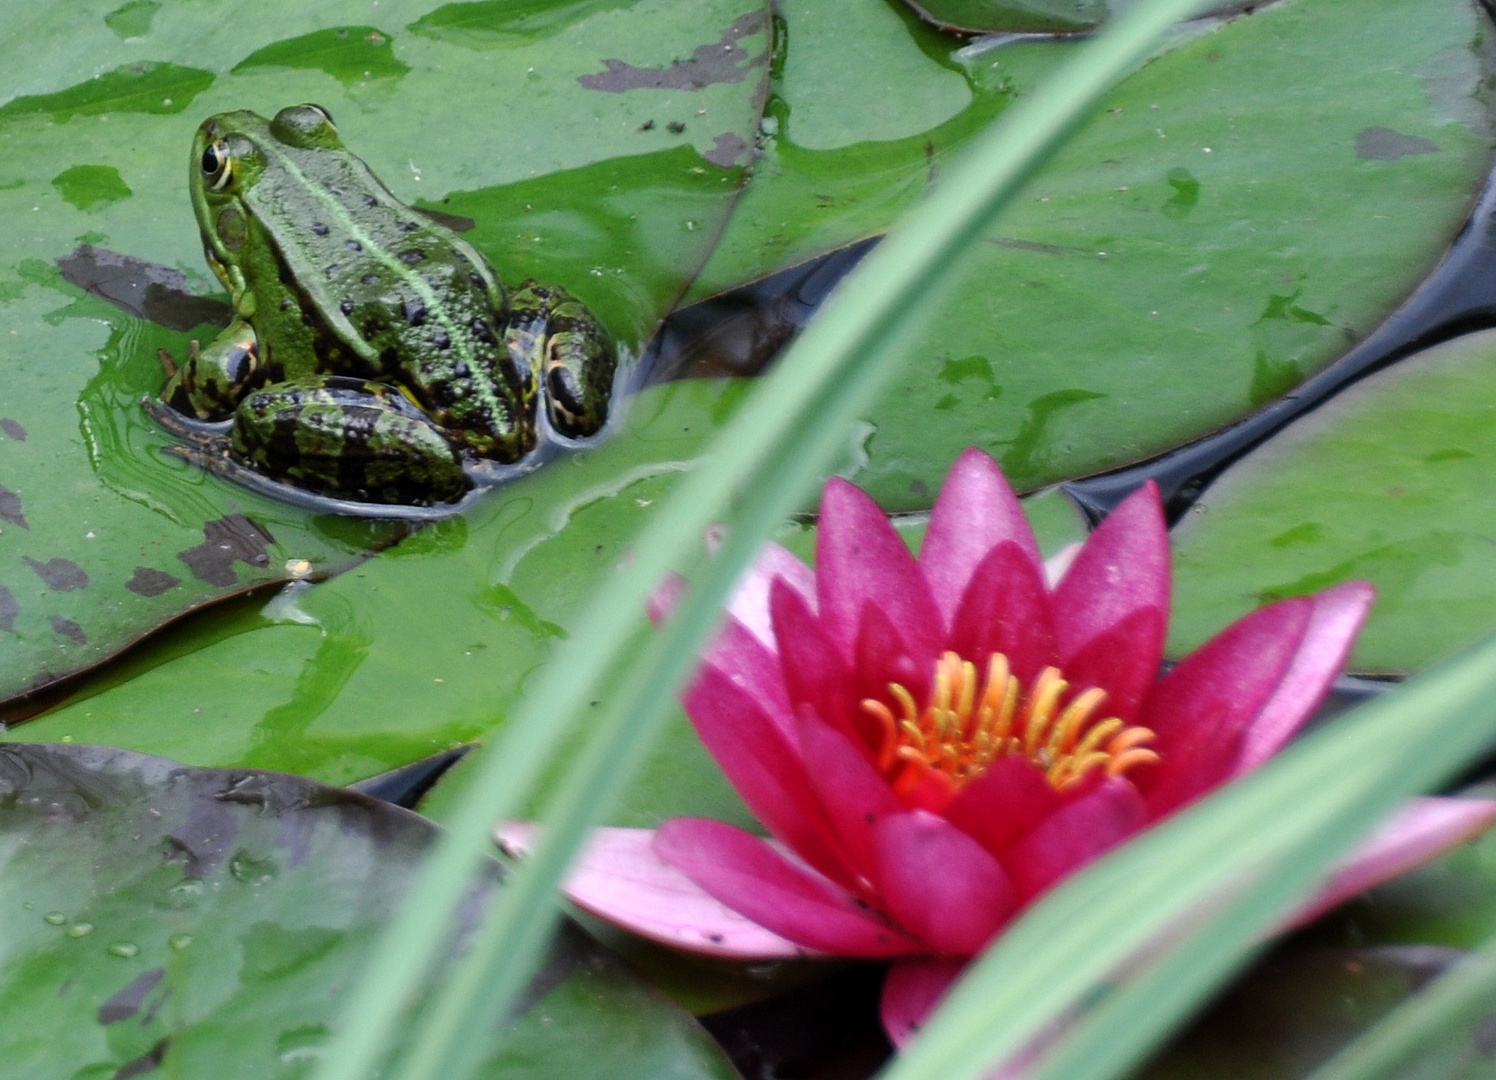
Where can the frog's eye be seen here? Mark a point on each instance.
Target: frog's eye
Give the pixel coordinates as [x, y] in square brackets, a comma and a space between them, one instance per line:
[308, 126]
[217, 164]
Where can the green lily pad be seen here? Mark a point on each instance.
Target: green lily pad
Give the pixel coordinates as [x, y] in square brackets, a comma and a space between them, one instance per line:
[1178, 264]
[1027, 16]
[1181, 262]
[356, 675]
[1295, 1008]
[205, 922]
[562, 160]
[1013, 16]
[1391, 481]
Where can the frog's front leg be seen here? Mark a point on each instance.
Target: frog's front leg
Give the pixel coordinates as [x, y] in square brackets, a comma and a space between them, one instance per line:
[347, 439]
[212, 381]
[552, 334]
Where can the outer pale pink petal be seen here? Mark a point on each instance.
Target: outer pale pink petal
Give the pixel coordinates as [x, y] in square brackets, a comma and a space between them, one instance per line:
[975, 511]
[1333, 624]
[1004, 804]
[765, 767]
[940, 884]
[1074, 835]
[1123, 567]
[1200, 710]
[860, 558]
[620, 879]
[1058, 564]
[750, 603]
[1417, 832]
[751, 877]
[1005, 609]
[853, 794]
[912, 989]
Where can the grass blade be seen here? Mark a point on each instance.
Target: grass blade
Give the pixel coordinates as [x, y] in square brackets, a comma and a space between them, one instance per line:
[1455, 999]
[759, 466]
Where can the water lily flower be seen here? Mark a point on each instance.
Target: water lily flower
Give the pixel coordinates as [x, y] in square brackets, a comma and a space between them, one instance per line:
[934, 742]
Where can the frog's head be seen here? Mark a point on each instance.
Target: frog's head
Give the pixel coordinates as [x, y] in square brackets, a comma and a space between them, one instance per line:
[233, 152]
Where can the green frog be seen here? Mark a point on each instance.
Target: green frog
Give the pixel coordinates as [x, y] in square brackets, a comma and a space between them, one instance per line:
[374, 355]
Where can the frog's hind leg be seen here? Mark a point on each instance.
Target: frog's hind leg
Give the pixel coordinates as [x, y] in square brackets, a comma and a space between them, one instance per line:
[552, 334]
[347, 438]
[212, 380]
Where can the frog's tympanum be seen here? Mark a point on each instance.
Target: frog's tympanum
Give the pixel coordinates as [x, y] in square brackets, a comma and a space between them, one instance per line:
[374, 355]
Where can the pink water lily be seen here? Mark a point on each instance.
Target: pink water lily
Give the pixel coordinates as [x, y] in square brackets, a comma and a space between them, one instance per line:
[935, 742]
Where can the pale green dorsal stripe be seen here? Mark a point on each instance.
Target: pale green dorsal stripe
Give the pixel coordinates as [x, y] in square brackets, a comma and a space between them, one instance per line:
[434, 306]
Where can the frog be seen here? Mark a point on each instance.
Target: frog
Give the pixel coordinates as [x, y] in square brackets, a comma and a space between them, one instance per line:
[373, 356]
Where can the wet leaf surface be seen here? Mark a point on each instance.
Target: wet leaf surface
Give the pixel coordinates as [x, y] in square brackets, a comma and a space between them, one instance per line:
[365, 672]
[1030, 16]
[205, 922]
[612, 190]
[1390, 482]
[1179, 264]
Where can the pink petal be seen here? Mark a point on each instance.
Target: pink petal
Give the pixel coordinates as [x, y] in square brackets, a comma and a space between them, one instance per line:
[743, 660]
[1077, 833]
[1004, 804]
[1418, 831]
[1122, 568]
[814, 670]
[765, 767]
[1005, 609]
[975, 511]
[752, 878]
[912, 989]
[620, 879]
[861, 559]
[940, 883]
[853, 794]
[1200, 709]
[1336, 617]
[1123, 661]
[883, 657]
[750, 603]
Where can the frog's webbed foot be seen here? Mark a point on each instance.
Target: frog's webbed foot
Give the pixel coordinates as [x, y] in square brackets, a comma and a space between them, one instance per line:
[212, 380]
[552, 333]
[347, 438]
[196, 433]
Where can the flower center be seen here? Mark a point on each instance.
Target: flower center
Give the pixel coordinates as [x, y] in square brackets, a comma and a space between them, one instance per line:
[969, 723]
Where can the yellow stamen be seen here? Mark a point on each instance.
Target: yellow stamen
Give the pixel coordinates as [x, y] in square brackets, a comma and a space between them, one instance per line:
[970, 722]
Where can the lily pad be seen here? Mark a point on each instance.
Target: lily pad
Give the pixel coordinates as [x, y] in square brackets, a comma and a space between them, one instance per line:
[576, 180]
[1028, 16]
[205, 922]
[362, 673]
[1181, 262]
[1177, 265]
[1391, 481]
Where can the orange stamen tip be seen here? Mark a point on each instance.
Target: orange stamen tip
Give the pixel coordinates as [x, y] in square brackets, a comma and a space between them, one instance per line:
[977, 714]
